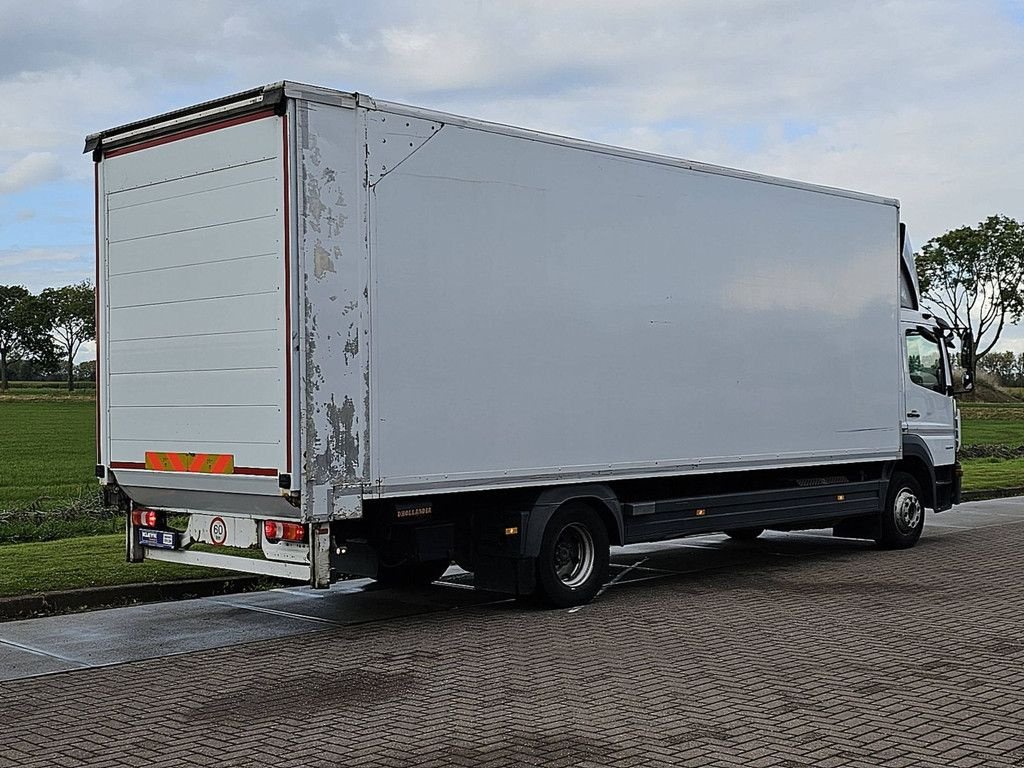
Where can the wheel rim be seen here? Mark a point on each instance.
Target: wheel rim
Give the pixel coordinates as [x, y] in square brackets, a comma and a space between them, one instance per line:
[574, 555]
[907, 511]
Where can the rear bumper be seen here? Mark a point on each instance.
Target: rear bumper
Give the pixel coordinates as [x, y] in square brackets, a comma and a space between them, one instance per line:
[305, 560]
[296, 571]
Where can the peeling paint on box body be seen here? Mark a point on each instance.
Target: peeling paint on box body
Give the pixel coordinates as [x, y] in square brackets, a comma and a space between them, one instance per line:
[335, 273]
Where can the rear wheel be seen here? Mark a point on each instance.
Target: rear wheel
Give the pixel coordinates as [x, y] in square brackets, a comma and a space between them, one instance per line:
[744, 534]
[573, 560]
[411, 574]
[902, 518]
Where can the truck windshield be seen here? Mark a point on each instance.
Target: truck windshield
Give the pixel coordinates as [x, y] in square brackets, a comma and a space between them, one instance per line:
[924, 362]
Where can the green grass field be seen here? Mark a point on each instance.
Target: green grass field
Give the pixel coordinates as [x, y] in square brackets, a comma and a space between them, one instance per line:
[993, 424]
[47, 452]
[1008, 432]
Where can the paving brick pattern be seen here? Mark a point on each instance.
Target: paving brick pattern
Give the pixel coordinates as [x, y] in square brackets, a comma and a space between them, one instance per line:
[852, 658]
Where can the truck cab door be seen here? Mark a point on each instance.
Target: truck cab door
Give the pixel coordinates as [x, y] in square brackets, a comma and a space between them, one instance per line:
[930, 413]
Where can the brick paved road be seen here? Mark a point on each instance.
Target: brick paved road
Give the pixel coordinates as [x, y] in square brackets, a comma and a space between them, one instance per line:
[805, 652]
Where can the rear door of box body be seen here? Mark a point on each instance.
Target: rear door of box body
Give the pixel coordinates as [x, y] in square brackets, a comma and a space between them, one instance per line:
[195, 315]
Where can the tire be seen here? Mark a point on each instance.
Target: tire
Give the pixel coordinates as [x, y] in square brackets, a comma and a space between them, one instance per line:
[573, 560]
[902, 518]
[411, 574]
[744, 534]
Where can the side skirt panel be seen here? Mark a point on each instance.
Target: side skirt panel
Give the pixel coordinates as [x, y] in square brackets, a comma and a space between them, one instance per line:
[667, 519]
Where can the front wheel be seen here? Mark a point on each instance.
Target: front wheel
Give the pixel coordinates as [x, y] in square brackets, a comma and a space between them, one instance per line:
[573, 560]
[902, 518]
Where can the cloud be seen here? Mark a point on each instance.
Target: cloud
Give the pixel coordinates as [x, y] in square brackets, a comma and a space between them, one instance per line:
[33, 168]
[39, 256]
[1012, 339]
[86, 352]
[905, 99]
[39, 268]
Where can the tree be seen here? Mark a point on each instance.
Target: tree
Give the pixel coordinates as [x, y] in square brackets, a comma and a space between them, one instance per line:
[1001, 365]
[1015, 374]
[86, 371]
[69, 311]
[23, 331]
[974, 276]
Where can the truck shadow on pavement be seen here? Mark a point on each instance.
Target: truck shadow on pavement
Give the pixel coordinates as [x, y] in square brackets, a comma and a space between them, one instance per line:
[777, 562]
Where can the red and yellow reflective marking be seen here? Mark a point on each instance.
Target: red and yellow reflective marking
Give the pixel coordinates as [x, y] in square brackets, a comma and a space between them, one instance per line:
[207, 463]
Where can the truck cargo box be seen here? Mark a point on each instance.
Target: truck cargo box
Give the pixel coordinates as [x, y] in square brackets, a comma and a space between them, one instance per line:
[351, 298]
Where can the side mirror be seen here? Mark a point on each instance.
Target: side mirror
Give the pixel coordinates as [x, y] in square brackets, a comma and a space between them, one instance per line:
[967, 359]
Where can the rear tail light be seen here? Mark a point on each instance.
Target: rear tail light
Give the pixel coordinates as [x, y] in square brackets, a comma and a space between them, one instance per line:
[276, 530]
[145, 518]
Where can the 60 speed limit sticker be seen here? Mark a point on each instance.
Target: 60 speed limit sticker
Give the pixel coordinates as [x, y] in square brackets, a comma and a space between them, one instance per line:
[218, 531]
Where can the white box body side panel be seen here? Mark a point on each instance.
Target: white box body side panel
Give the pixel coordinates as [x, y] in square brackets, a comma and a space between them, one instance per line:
[542, 313]
[194, 328]
[333, 297]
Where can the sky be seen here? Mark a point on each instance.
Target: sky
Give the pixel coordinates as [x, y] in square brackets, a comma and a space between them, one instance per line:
[919, 100]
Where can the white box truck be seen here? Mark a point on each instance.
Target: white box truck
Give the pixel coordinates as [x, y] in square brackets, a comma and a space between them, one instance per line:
[373, 339]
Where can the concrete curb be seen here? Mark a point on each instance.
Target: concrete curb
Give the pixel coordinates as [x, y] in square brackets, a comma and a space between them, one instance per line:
[91, 598]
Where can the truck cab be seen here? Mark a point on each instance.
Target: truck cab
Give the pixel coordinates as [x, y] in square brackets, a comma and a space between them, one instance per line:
[931, 424]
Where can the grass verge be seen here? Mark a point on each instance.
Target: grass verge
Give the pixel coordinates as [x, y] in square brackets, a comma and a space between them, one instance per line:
[91, 561]
[986, 474]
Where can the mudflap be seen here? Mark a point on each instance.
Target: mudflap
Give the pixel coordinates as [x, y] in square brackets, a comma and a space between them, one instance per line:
[320, 555]
[949, 489]
[510, 575]
[500, 561]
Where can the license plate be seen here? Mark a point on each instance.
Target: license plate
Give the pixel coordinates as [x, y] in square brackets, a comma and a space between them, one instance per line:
[158, 539]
